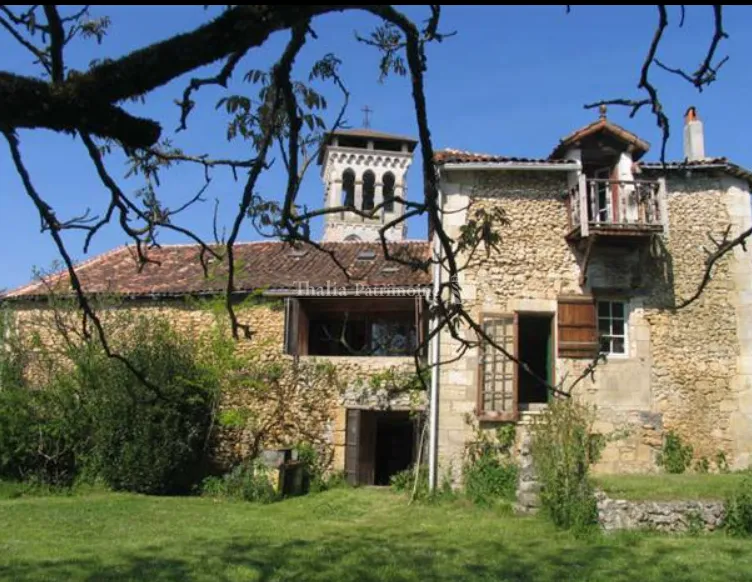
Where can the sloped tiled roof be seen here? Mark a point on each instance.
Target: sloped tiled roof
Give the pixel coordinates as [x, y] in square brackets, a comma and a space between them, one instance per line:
[260, 265]
[601, 125]
[708, 164]
[370, 133]
[452, 156]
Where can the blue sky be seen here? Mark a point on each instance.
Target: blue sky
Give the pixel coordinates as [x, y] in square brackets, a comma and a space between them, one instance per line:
[512, 81]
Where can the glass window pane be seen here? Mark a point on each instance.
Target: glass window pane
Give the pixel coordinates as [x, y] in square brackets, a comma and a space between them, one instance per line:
[603, 309]
[605, 345]
[618, 327]
[617, 345]
[617, 309]
[604, 325]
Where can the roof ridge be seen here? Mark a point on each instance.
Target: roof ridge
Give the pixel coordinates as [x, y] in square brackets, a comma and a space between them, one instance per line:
[274, 242]
[41, 280]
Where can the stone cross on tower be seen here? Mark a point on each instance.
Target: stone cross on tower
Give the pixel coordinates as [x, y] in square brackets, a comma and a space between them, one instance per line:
[366, 116]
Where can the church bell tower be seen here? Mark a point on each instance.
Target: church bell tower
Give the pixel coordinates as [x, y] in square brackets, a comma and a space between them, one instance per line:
[366, 169]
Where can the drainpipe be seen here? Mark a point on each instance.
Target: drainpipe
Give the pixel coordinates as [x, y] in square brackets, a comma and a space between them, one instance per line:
[433, 427]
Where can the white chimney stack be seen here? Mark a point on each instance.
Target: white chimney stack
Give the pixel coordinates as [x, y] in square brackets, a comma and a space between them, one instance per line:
[694, 139]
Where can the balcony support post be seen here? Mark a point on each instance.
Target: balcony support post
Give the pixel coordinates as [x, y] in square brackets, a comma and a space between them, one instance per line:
[663, 204]
[584, 224]
[586, 260]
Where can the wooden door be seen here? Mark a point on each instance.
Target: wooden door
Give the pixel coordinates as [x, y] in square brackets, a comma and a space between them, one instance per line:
[352, 445]
[360, 446]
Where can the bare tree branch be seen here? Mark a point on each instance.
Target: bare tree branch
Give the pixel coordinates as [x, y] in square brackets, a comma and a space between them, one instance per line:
[57, 40]
[186, 105]
[723, 247]
[281, 72]
[48, 216]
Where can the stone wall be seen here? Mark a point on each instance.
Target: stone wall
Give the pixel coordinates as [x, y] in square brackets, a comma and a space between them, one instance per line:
[664, 516]
[685, 370]
[310, 408]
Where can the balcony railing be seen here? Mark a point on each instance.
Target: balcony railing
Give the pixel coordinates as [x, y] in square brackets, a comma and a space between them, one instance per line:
[617, 206]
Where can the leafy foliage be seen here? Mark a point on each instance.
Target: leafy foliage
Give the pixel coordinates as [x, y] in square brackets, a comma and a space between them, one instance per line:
[563, 449]
[42, 432]
[246, 481]
[721, 463]
[144, 442]
[317, 476]
[702, 465]
[675, 456]
[92, 417]
[489, 472]
[738, 521]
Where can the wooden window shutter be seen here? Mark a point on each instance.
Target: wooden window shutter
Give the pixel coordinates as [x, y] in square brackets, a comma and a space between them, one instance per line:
[498, 374]
[292, 317]
[352, 446]
[420, 325]
[303, 330]
[578, 327]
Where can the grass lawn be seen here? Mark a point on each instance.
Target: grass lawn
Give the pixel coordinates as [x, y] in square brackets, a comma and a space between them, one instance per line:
[357, 535]
[688, 486]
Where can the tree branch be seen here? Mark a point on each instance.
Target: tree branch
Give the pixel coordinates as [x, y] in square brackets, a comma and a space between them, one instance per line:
[723, 247]
[57, 41]
[47, 215]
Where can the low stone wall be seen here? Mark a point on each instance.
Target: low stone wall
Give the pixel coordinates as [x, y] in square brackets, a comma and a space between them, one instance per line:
[528, 486]
[665, 516]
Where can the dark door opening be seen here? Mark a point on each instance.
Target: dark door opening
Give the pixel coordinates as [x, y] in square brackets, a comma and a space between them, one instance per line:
[536, 350]
[378, 445]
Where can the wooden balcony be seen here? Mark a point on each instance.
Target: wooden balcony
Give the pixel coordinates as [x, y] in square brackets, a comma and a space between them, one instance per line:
[619, 210]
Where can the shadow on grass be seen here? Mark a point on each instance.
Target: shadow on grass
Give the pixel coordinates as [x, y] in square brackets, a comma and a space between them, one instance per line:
[375, 555]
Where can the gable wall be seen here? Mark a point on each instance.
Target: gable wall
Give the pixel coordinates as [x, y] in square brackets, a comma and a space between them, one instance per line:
[683, 369]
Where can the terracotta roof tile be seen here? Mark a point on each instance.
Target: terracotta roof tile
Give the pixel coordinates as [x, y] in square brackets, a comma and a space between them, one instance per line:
[605, 125]
[367, 132]
[260, 265]
[708, 164]
[452, 156]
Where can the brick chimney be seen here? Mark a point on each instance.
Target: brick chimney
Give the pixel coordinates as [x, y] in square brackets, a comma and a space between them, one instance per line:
[694, 139]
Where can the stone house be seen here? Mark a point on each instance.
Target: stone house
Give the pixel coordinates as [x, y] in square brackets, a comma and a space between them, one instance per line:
[600, 249]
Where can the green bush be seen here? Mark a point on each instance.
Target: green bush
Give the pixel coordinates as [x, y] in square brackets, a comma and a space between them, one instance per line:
[404, 481]
[43, 433]
[489, 473]
[702, 465]
[721, 463]
[317, 478]
[144, 440]
[490, 478]
[675, 457]
[246, 481]
[738, 520]
[563, 449]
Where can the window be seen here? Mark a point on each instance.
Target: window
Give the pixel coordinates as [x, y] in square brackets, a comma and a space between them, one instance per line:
[362, 334]
[354, 326]
[388, 189]
[348, 188]
[612, 327]
[369, 190]
[497, 395]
